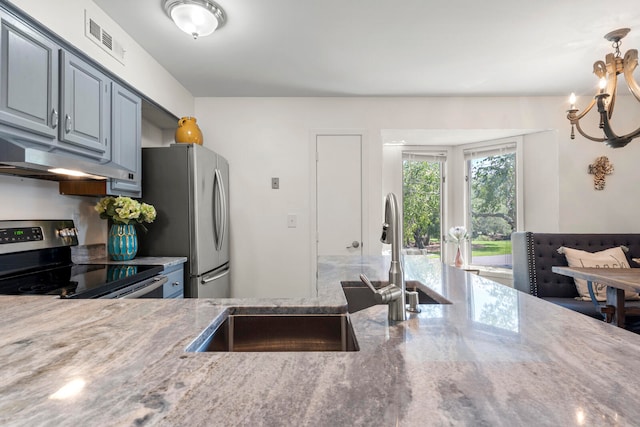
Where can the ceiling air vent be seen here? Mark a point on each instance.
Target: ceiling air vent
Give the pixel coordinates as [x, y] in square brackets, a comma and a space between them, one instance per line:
[94, 29]
[97, 34]
[107, 40]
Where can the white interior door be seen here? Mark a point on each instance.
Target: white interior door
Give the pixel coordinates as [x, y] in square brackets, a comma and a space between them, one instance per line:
[339, 194]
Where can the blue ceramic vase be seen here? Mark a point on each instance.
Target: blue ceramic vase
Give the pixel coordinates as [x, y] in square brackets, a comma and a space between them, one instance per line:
[122, 242]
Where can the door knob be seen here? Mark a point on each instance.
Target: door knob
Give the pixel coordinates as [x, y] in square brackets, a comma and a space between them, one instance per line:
[354, 244]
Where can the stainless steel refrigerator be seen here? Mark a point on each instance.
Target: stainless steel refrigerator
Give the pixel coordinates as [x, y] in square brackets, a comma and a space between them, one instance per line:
[188, 186]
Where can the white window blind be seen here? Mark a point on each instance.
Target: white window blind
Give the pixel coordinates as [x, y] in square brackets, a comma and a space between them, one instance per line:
[489, 150]
[425, 156]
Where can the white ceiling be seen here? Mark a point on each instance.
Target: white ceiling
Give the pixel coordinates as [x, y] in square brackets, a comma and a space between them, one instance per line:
[386, 48]
[389, 48]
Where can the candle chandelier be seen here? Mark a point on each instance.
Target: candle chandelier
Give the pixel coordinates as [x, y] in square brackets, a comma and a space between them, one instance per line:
[607, 71]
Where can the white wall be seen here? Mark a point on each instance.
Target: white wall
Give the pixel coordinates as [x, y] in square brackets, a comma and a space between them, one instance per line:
[153, 136]
[541, 180]
[614, 209]
[26, 198]
[66, 19]
[267, 137]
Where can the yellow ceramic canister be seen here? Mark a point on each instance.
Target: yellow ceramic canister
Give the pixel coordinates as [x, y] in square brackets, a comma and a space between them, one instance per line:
[188, 131]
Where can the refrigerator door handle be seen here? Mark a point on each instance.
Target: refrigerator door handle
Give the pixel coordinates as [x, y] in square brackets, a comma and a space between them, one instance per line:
[223, 199]
[216, 277]
[214, 208]
[220, 226]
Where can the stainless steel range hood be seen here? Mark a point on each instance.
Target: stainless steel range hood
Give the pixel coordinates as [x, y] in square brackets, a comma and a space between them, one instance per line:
[31, 162]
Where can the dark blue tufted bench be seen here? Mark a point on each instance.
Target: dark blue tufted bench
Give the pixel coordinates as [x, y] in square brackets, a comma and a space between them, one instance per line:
[535, 253]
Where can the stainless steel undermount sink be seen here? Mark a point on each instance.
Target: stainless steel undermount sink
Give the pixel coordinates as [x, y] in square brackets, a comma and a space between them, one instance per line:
[278, 332]
[359, 296]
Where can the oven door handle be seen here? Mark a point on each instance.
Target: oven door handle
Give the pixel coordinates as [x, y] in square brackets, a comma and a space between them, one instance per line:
[156, 282]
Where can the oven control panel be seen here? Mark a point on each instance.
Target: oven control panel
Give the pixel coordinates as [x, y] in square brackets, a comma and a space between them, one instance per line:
[20, 234]
[28, 235]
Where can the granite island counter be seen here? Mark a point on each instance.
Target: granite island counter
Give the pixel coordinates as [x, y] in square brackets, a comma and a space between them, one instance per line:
[493, 357]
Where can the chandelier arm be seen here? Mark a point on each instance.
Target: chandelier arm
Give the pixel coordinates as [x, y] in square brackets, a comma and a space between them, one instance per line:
[600, 69]
[611, 135]
[575, 119]
[612, 84]
[583, 133]
[611, 78]
[630, 64]
[613, 140]
[632, 135]
[604, 118]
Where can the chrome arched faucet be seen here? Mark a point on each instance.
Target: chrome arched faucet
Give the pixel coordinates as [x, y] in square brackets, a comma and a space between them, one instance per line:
[394, 293]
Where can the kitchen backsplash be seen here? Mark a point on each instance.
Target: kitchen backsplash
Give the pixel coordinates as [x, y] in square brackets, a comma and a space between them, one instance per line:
[86, 253]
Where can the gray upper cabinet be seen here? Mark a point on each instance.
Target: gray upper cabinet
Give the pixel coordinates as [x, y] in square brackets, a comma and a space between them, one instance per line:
[126, 122]
[84, 107]
[55, 100]
[29, 79]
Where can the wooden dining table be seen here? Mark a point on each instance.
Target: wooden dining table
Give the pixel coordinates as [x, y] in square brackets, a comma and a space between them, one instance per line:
[617, 280]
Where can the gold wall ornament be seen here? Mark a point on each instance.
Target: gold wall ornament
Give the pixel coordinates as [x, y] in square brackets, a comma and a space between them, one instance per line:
[607, 72]
[600, 168]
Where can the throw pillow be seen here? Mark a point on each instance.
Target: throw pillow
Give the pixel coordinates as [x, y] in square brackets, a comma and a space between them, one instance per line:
[609, 258]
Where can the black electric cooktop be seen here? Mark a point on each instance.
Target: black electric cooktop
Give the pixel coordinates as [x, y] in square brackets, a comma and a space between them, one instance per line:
[77, 280]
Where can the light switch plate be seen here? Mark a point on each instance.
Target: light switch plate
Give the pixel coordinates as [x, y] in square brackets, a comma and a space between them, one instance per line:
[275, 183]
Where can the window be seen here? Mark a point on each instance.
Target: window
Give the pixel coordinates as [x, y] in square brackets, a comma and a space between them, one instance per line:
[422, 178]
[492, 202]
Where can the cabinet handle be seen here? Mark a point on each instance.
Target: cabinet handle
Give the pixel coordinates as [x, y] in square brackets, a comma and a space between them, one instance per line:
[54, 118]
[67, 123]
[175, 284]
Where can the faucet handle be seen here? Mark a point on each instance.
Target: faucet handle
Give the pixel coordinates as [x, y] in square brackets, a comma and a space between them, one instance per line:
[389, 293]
[367, 282]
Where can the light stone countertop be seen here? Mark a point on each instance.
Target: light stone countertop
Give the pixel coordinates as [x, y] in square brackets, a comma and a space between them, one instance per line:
[97, 254]
[493, 357]
[144, 260]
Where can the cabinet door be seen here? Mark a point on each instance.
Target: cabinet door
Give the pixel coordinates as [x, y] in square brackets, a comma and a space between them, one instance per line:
[174, 288]
[84, 108]
[29, 78]
[126, 139]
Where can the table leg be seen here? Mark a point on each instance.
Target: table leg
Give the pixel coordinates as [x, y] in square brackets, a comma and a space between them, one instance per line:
[615, 298]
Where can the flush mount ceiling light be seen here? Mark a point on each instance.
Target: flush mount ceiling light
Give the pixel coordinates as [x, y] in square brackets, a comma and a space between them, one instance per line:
[197, 18]
[607, 71]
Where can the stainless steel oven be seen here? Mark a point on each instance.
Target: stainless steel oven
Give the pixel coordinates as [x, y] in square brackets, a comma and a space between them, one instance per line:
[35, 259]
[150, 288]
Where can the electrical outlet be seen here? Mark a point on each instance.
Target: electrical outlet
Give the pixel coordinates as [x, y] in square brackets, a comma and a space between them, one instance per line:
[275, 183]
[292, 220]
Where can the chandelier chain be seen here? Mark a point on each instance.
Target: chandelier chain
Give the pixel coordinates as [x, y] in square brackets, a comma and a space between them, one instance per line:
[616, 45]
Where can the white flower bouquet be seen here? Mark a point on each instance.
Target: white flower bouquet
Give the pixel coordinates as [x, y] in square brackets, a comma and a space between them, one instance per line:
[458, 234]
[124, 210]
